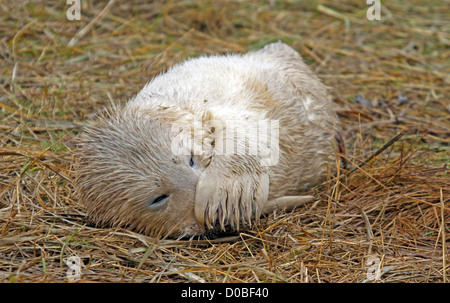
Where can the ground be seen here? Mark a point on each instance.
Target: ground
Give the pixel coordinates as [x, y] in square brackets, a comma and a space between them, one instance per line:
[387, 221]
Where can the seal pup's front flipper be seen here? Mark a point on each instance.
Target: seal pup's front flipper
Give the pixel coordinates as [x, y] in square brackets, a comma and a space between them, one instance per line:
[230, 192]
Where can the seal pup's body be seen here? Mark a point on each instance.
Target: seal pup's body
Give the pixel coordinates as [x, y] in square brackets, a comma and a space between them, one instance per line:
[140, 166]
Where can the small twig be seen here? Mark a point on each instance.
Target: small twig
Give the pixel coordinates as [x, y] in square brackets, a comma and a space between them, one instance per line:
[150, 249]
[328, 11]
[379, 151]
[17, 35]
[89, 26]
[367, 160]
[367, 223]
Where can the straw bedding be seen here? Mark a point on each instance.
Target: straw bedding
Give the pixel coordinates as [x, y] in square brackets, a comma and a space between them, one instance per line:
[388, 220]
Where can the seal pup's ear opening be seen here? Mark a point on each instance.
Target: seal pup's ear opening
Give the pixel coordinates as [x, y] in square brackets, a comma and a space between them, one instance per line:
[230, 192]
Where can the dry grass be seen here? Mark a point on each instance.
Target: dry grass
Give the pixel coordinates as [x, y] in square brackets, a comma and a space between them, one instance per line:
[392, 214]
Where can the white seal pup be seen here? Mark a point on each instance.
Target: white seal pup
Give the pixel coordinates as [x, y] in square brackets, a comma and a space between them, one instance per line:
[214, 141]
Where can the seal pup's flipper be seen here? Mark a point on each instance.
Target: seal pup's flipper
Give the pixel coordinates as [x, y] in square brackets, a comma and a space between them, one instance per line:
[231, 191]
[286, 203]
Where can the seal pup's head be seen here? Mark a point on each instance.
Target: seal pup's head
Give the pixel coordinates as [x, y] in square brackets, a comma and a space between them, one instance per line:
[142, 169]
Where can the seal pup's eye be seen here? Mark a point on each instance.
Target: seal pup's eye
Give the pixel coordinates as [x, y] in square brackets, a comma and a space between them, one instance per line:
[191, 162]
[157, 203]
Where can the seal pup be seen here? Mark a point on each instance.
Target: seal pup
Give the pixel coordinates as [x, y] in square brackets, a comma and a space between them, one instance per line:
[215, 141]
